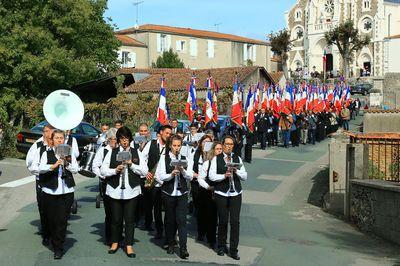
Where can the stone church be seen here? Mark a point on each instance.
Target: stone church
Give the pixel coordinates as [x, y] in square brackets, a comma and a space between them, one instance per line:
[308, 20]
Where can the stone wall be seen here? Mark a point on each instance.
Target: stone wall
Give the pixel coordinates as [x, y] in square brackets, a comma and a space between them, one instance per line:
[381, 121]
[391, 90]
[375, 208]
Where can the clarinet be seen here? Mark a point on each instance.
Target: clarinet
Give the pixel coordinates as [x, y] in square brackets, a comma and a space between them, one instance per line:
[231, 188]
[122, 175]
[178, 187]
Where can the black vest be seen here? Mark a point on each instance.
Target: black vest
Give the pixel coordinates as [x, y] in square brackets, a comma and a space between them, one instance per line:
[196, 159]
[114, 180]
[50, 179]
[168, 186]
[223, 185]
[154, 155]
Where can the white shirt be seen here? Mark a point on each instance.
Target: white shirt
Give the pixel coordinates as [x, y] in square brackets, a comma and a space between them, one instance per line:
[129, 192]
[98, 160]
[163, 176]
[32, 158]
[145, 153]
[201, 178]
[242, 174]
[74, 146]
[62, 188]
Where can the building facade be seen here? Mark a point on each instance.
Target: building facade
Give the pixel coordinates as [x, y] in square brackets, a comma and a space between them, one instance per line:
[308, 20]
[198, 49]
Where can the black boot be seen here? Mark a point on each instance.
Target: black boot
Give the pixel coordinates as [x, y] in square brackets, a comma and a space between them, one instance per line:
[183, 254]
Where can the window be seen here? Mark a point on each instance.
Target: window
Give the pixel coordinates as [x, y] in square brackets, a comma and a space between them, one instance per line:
[366, 5]
[163, 42]
[128, 59]
[367, 24]
[180, 46]
[388, 24]
[193, 47]
[329, 6]
[249, 52]
[210, 48]
[298, 15]
[297, 33]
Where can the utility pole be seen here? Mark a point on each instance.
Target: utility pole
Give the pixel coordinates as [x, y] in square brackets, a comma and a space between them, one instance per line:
[137, 12]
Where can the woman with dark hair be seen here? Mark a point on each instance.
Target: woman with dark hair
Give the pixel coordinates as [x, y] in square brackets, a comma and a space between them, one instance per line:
[175, 194]
[123, 189]
[207, 216]
[198, 159]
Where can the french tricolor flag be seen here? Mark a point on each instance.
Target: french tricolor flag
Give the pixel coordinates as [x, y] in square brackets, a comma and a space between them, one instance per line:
[162, 114]
[250, 109]
[191, 103]
[209, 115]
[236, 110]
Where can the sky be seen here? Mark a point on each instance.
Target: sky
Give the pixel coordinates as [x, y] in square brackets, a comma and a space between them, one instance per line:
[249, 18]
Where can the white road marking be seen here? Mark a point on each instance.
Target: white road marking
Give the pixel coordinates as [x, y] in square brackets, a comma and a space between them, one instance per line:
[19, 182]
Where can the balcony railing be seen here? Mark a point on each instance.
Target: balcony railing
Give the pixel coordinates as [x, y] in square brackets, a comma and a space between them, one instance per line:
[383, 153]
[324, 26]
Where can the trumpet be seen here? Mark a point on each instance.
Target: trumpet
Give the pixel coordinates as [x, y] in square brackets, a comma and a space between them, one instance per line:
[231, 167]
[178, 164]
[124, 157]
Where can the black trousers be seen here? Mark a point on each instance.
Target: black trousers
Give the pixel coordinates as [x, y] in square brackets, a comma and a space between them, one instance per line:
[56, 211]
[157, 209]
[248, 152]
[207, 215]
[140, 210]
[107, 212]
[123, 212]
[263, 139]
[43, 230]
[270, 138]
[148, 206]
[176, 208]
[228, 209]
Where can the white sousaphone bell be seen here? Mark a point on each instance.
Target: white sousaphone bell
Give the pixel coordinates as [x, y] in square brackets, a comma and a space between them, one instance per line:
[63, 109]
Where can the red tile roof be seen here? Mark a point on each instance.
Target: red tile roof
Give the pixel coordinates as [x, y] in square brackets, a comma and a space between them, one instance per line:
[178, 78]
[129, 41]
[191, 32]
[276, 76]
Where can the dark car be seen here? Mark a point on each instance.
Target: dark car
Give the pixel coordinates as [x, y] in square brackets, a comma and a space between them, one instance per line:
[84, 133]
[361, 88]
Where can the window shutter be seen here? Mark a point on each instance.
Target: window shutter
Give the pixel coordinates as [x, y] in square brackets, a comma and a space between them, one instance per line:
[119, 55]
[159, 42]
[245, 52]
[210, 48]
[254, 47]
[168, 42]
[178, 45]
[132, 56]
[193, 47]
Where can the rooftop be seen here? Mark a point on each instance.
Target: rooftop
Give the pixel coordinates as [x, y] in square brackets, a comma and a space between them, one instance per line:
[393, 37]
[191, 32]
[129, 41]
[178, 78]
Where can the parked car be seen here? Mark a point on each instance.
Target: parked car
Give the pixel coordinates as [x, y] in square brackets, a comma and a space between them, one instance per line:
[362, 88]
[84, 133]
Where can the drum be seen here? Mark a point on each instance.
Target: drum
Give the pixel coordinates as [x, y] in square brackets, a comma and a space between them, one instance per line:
[86, 164]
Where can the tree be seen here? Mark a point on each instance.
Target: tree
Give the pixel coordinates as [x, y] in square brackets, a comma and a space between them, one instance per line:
[347, 39]
[281, 45]
[168, 59]
[47, 45]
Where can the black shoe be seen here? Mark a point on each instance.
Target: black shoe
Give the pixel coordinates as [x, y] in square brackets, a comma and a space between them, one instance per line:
[131, 255]
[112, 251]
[235, 256]
[45, 241]
[220, 252]
[183, 254]
[159, 235]
[58, 254]
[149, 228]
[170, 250]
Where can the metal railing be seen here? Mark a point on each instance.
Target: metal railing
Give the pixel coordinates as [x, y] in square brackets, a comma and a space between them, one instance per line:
[383, 153]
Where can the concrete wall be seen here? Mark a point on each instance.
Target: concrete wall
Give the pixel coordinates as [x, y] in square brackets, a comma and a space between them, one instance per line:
[392, 63]
[375, 207]
[381, 122]
[140, 52]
